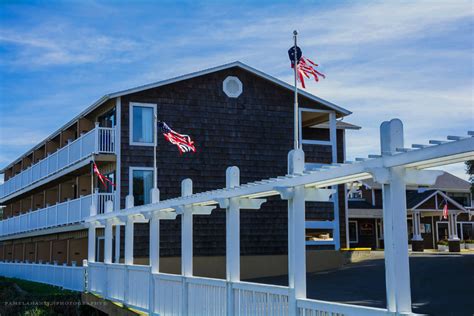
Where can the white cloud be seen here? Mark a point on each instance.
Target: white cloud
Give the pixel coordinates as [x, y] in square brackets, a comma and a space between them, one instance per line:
[361, 46]
[52, 44]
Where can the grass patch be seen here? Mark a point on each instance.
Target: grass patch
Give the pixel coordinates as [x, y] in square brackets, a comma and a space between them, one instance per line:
[25, 298]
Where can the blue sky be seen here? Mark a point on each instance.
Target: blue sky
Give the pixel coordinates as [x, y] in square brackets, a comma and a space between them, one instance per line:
[383, 59]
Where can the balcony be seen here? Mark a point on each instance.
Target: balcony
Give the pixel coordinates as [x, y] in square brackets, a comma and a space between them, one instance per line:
[100, 140]
[69, 212]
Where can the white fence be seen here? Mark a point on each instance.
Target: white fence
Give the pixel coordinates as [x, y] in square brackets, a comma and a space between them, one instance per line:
[67, 277]
[169, 294]
[98, 140]
[69, 212]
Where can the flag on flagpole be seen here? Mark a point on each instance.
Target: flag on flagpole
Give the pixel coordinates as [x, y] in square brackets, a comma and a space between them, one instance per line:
[445, 210]
[182, 141]
[103, 179]
[305, 67]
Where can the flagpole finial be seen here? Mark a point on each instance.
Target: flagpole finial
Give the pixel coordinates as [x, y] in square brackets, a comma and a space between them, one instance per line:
[295, 32]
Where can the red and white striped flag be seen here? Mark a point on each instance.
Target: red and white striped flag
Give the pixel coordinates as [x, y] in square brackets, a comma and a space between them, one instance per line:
[184, 142]
[445, 210]
[103, 179]
[305, 67]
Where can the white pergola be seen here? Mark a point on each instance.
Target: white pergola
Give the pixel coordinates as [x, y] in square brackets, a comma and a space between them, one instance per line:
[145, 288]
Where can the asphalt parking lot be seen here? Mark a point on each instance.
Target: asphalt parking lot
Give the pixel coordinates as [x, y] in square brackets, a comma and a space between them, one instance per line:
[442, 284]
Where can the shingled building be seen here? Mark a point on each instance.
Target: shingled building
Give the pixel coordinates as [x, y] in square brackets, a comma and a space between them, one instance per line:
[236, 115]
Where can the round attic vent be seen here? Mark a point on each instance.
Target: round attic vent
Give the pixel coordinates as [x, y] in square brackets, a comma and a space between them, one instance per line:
[232, 87]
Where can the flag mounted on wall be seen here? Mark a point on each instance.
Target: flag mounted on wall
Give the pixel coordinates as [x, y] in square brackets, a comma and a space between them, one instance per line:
[103, 179]
[305, 67]
[184, 142]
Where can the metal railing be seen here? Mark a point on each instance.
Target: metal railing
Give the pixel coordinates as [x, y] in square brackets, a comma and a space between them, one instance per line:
[98, 140]
[69, 212]
[67, 277]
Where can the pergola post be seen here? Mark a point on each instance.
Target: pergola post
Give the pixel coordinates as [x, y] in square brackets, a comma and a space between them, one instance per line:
[108, 241]
[109, 207]
[91, 243]
[186, 241]
[117, 244]
[155, 244]
[129, 236]
[232, 237]
[128, 255]
[296, 235]
[397, 267]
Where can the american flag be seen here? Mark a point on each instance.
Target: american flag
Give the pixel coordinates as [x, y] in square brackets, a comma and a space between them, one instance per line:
[103, 179]
[305, 67]
[445, 210]
[184, 142]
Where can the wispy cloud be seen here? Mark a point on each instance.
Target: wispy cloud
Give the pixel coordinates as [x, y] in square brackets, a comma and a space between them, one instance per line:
[407, 59]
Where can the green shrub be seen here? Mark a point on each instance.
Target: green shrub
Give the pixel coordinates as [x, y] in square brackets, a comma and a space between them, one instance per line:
[443, 242]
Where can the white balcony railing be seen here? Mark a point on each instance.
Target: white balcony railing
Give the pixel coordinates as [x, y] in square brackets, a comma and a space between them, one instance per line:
[98, 140]
[69, 212]
[68, 277]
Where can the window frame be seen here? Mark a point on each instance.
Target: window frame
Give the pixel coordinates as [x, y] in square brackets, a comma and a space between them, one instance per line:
[145, 105]
[356, 241]
[130, 177]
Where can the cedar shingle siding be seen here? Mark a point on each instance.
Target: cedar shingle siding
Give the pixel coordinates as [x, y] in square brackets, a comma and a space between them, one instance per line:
[253, 132]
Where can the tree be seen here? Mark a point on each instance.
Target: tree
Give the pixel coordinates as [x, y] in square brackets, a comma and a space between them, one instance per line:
[470, 172]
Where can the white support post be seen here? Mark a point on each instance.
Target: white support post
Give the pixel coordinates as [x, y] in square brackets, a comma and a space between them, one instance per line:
[186, 241]
[154, 249]
[232, 238]
[117, 243]
[108, 241]
[91, 243]
[296, 235]
[397, 267]
[155, 244]
[335, 196]
[129, 241]
[155, 239]
[453, 225]
[416, 221]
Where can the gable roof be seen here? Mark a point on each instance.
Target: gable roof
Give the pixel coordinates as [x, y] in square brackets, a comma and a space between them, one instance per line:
[237, 64]
[105, 98]
[414, 199]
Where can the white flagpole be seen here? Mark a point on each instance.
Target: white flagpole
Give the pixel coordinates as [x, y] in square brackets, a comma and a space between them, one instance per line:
[296, 119]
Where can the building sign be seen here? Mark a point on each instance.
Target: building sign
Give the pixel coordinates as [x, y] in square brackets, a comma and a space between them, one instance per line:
[366, 229]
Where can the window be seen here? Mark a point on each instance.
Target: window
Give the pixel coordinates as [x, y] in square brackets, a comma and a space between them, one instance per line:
[356, 195]
[353, 236]
[141, 182]
[461, 198]
[107, 119]
[142, 127]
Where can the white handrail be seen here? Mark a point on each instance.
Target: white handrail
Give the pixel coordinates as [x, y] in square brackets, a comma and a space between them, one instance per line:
[98, 140]
[68, 212]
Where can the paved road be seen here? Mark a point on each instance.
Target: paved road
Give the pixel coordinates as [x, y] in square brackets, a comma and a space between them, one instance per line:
[442, 284]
